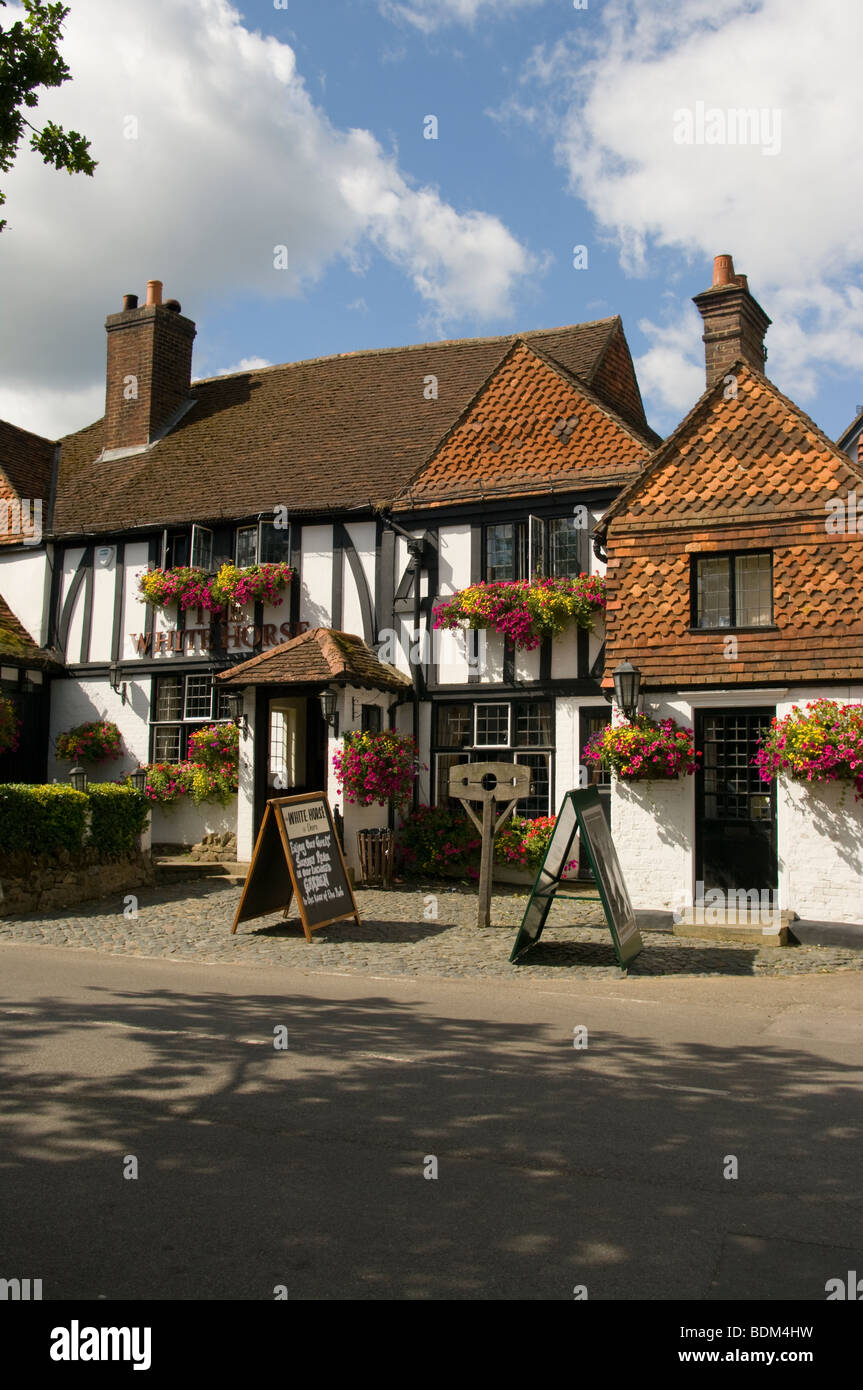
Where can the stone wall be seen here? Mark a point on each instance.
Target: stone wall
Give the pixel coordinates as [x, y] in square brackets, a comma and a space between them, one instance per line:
[46, 882]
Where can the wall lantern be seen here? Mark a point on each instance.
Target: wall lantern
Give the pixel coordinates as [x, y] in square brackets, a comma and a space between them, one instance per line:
[138, 778]
[627, 684]
[235, 701]
[118, 686]
[78, 778]
[329, 709]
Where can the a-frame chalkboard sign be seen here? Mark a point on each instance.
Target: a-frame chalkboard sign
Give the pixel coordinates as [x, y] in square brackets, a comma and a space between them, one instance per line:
[297, 853]
[582, 815]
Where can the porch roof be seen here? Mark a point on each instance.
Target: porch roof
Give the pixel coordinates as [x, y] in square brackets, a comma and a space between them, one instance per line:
[17, 647]
[318, 657]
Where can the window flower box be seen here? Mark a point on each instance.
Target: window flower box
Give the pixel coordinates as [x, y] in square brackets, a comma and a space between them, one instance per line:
[525, 611]
[195, 588]
[824, 743]
[643, 750]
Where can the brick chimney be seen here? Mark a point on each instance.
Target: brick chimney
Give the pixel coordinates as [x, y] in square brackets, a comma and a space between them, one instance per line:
[734, 322]
[149, 368]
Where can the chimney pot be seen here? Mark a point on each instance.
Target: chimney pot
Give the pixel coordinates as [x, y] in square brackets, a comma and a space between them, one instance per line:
[154, 291]
[174, 305]
[734, 322]
[130, 301]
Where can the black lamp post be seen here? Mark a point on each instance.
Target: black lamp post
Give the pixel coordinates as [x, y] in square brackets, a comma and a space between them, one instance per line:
[235, 701]
[78, 778]
[627, 684]
[329, 705]
[138, 778]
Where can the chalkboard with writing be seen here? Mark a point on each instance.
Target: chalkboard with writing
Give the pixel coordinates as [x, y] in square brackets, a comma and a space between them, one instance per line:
[298, 852]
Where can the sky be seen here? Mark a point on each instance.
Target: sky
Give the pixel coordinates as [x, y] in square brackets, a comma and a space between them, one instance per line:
[309, 177]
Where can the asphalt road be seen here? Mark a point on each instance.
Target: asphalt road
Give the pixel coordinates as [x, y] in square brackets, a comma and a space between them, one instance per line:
[557, 1166]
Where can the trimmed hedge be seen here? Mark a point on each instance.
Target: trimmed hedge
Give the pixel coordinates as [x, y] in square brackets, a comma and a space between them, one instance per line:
[41, 819]
[45, 819]
[118, 815]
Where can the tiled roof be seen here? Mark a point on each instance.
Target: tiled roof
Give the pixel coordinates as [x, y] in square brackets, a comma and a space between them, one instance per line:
[318, 656]
[730, 458]
[750, 473]
[25, 471]
[317, 436]
[532, 426]
[17, 645]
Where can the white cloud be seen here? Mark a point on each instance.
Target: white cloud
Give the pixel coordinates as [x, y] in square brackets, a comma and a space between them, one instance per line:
[245, 364]
[428, 15]
[790, 219]
[230, 159]
[49, 411]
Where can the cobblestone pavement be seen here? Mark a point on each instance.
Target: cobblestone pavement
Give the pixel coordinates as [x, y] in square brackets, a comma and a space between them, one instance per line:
[192, 921]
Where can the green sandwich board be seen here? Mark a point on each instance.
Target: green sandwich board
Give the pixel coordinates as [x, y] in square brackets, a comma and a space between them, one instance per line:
[582, 815]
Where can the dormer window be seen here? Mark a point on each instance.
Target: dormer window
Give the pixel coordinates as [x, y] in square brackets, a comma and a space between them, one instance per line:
[523, 549]
[262, 543]
[181, 548]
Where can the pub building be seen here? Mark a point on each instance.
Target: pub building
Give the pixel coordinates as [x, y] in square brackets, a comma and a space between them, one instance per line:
[392, 479]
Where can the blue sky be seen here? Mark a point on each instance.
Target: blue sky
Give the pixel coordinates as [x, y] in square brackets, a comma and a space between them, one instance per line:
[254, 126]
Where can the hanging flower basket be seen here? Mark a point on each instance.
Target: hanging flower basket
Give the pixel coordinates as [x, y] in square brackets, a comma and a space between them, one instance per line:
[90, 743]
[525, 611]
[209, 773]
[10, 726]
[823, 743]
[377, 769]
[194, 588]
[643, 750]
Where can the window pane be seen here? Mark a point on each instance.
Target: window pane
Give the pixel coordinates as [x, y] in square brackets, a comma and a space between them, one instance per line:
[221, 701]
[443, 763]
[275, 544]
[169, 697]
[506, 547]
[492, 726]
[198, 697]
[454, 726]
[247, 545]
[537, 804]
[753, 590]
[533, 724]
[177, 549]
[565, 547]
[714, 592]
[372, 719]
[166, 745]
[202, 548]
[536, 559]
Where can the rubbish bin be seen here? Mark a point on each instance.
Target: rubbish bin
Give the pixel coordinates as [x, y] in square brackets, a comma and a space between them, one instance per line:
[376, 850]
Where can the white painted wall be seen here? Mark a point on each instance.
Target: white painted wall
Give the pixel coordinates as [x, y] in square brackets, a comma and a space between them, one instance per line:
[25, 583]
[102, 628]
[245, 782]
[184, 823]
[83, 702]
[316, 576]
[820, 833]
[454, 562]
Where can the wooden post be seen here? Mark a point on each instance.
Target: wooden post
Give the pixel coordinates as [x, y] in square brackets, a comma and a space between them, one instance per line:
[485, 864]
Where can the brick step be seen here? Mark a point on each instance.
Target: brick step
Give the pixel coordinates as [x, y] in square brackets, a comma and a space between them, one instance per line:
[173, 868]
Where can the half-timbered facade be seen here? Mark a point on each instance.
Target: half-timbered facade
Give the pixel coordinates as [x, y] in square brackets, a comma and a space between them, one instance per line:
[387, 480]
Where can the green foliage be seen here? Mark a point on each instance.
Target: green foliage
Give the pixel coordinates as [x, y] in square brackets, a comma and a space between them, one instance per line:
[441, 840]
[45, 819]
[118, 815]
[41, 819]
[30, 59]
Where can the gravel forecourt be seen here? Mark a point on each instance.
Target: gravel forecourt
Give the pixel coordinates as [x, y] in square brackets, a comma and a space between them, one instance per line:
[427, 930]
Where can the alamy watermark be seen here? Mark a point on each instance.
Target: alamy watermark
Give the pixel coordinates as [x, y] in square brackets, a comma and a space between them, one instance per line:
[21, 518]
[719, 907]
[711, 125]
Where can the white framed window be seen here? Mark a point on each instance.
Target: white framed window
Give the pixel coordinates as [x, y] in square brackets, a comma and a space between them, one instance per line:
[491, 726]
[262, 543]
[202, 548]
[180, 705]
